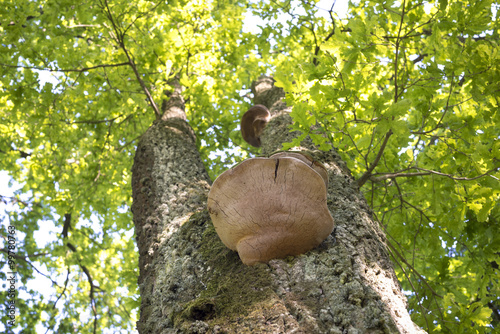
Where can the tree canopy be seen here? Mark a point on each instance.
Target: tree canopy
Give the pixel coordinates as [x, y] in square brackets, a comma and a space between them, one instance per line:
[406, 91]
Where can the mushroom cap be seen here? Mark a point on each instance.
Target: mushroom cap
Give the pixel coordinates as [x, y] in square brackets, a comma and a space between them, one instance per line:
[267, 208]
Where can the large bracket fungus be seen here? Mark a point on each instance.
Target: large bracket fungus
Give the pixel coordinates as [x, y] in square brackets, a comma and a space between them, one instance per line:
[267, 208]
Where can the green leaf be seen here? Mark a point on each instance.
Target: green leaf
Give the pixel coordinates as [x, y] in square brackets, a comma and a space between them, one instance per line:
[443, 4]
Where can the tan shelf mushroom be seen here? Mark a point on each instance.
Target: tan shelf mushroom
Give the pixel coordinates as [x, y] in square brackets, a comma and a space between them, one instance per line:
[267, 208]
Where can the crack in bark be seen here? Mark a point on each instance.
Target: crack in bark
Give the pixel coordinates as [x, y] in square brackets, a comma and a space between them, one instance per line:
[276, 169]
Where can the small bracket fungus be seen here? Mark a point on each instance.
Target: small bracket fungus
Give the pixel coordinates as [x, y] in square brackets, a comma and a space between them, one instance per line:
[253, 123]
[267, 208]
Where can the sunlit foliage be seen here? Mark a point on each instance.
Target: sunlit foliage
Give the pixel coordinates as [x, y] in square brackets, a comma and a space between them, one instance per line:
[407, 91]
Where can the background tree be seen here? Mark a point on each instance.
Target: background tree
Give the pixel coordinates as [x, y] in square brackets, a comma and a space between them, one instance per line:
[407, 92]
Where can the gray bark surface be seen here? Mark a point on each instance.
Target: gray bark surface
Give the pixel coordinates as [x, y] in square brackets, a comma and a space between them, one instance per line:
[191, 283]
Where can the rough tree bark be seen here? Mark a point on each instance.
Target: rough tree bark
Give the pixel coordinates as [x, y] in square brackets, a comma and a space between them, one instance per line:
[191, 283]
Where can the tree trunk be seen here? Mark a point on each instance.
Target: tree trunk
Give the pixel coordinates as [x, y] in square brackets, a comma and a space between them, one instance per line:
[191, 283]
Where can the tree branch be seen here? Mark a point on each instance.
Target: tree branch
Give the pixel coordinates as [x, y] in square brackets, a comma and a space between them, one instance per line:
[49, 328]
[23, 258]
[13, 199]
[425, 172]
[395, 175]
[66, 228]
[398, 39]
[457, 178]
[121, 42]
[362, 180]
[421, 278]
[84, 69]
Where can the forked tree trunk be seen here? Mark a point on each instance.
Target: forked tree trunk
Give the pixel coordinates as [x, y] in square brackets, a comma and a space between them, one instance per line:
[191, 283]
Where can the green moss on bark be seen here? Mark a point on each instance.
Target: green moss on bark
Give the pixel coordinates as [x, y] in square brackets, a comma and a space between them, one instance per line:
[232, 289]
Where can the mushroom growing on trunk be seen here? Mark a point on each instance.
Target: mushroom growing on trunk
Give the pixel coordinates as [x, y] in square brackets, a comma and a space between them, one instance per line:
[267, 208]
[253, 123]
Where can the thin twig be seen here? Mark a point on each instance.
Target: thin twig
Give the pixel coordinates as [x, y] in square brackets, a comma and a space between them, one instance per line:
[425, 172]
[83, 69]
[23, 258]
[413, 270]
